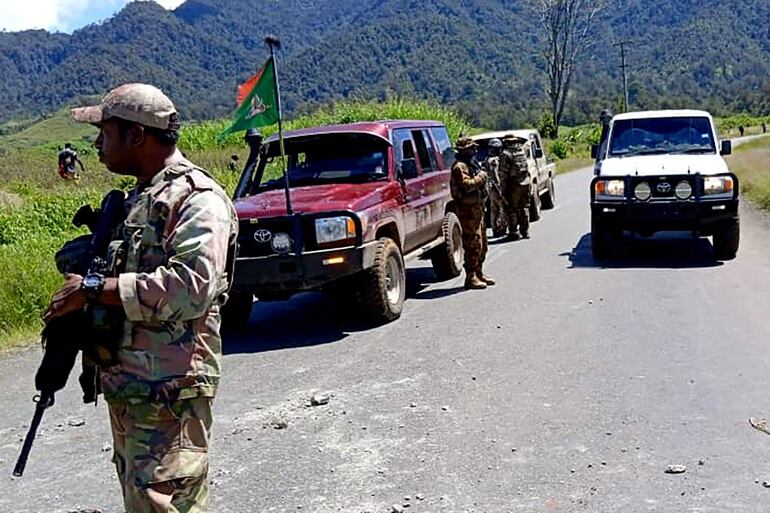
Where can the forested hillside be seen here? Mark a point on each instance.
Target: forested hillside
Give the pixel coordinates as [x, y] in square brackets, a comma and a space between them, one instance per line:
[480, 55]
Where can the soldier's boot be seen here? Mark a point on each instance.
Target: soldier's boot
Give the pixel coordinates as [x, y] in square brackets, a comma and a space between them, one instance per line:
[472, 282]
[486, 279]
[514, 236]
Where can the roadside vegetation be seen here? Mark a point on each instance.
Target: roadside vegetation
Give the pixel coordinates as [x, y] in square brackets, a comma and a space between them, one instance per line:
[751, 163]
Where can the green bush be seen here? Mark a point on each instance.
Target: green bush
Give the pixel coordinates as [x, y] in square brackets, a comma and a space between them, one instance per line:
[546, 126]
[559, 149]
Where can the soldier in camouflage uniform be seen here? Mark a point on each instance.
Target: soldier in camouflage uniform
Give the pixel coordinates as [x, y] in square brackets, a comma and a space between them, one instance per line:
[468, 188]
[179, 234]
[497, 202]
[516, 184]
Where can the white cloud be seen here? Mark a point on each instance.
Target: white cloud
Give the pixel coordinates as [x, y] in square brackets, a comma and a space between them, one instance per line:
[62, 15]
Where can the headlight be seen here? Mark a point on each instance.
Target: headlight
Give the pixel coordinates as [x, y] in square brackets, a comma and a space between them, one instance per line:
[613, 188]
[333, 229]
[718, 185]
[281, 243]
[642, 192]
[683, 190]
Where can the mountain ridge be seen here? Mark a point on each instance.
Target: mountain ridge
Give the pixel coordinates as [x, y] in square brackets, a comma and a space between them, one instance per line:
[480, 55]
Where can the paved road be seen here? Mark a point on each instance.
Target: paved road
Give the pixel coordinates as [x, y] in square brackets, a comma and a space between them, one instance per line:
[567, 387]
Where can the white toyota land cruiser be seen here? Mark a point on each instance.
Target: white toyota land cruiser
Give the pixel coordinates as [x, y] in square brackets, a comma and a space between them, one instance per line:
[664, 171]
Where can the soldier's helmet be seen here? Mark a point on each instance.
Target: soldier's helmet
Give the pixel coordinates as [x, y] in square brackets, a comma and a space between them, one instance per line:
[513, 140]
[465, 144]
[495, 144]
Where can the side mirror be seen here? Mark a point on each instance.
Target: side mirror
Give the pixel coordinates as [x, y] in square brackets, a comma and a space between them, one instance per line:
[408, 169]
[594, 150]
[538, 153]
[727, 148]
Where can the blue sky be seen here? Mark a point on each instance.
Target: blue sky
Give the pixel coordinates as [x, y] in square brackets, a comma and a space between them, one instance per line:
[60, 15]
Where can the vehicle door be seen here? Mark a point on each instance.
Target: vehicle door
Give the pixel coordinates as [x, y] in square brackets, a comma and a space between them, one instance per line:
[435, 179]
[414, 209]
[446, 159]
[538, 158]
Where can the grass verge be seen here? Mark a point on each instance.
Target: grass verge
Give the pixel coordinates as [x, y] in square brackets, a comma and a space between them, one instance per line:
[572, 164]
[751, 163]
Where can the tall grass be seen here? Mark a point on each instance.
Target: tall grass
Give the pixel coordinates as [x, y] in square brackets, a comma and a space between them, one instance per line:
[751, 163]
[203, 136]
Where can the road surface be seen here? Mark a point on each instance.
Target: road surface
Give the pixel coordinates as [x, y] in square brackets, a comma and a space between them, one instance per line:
[567, 387]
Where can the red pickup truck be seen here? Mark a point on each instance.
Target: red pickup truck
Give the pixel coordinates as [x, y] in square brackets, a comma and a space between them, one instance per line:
[363, 199]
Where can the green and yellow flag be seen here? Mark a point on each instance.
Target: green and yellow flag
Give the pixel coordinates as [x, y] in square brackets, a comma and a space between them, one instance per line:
[257, 101]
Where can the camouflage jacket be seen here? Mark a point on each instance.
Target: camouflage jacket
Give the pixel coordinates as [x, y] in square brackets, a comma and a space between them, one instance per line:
[178, 233]
[514, 166]
[465, 185]
[492, 167]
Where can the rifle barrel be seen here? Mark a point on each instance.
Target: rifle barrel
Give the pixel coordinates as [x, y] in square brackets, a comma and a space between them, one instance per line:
[42, 404]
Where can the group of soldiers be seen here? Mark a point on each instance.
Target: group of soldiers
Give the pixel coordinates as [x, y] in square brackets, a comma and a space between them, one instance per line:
[503, 178]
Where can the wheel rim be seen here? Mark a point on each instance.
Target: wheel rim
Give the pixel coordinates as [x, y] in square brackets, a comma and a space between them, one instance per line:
[457, 246]
[393, 281]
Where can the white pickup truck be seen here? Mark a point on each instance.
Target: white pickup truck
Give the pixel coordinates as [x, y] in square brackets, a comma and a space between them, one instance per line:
[664, 171]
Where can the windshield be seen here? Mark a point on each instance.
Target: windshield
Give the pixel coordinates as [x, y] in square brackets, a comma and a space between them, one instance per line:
[655, 136]
[328, 158]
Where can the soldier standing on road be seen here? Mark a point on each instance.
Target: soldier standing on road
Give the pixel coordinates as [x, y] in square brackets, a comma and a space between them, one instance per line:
[516, 185]
[179, 235]
[67, 160]
[468, 188]
[496, 201]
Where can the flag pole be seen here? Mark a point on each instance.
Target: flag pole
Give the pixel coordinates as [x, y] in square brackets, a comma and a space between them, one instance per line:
[273, 43]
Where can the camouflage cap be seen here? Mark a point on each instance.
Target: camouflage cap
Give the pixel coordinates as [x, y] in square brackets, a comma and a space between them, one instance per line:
[465, 143]
[140, 103]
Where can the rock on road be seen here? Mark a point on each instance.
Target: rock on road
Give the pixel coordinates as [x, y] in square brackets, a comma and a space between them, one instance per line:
[566, 387]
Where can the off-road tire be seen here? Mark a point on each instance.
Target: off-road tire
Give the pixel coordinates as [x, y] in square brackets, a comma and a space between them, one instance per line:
[727, 238]
[534, 204]
[237, 311]
[549, 198]
[447, 259]
[602, 238]
[381, 298]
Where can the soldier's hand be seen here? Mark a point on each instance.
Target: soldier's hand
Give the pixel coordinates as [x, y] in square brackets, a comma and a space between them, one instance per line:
[69, 298]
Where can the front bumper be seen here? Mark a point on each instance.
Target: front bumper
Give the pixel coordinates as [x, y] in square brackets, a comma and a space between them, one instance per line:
[297, 273]
[699, 213]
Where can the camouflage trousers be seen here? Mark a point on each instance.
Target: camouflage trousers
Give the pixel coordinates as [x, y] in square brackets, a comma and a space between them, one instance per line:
[474, 236]
[518, 197]
[498, 215]
[161, 454]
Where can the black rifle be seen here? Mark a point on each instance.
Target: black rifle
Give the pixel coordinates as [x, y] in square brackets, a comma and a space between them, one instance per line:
[88, 326]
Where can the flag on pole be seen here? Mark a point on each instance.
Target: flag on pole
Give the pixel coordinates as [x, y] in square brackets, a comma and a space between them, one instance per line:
[257, 101]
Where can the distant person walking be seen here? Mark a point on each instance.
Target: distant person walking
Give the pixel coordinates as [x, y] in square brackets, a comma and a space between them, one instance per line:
[741, 130]
[233, 164]
[67, 160]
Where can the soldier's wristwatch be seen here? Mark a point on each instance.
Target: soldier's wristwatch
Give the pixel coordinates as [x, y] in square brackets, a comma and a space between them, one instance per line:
[92, 285]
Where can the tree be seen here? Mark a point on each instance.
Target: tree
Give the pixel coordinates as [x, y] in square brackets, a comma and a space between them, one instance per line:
[564, 26]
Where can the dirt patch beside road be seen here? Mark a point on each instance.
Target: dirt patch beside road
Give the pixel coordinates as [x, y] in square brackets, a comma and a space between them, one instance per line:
[9, 200]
